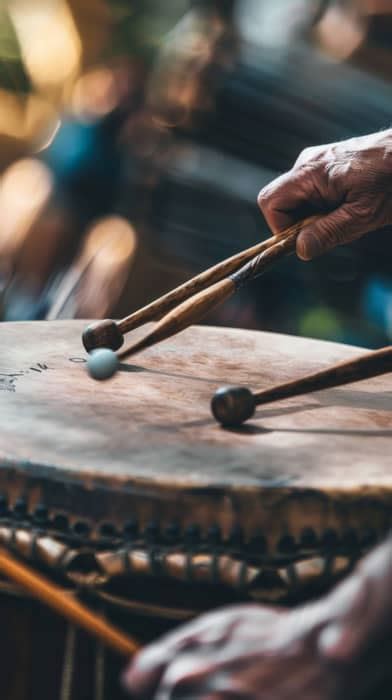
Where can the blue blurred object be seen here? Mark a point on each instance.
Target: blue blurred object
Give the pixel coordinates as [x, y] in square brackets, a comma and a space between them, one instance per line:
[87, 163]
[71, 148]
[376, 303]
[22, 305]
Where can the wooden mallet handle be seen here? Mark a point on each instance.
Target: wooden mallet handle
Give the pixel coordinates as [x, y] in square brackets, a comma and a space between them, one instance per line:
[232, 406]
[109, 333]
[54, 597]
[194, 309]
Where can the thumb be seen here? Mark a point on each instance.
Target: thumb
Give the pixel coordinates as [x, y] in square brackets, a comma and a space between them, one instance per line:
[339, 227]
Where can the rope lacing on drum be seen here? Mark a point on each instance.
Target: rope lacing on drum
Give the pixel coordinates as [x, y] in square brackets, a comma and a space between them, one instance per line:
[68, 663]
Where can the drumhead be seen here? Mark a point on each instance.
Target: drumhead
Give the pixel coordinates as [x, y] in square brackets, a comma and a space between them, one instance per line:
[143, 445]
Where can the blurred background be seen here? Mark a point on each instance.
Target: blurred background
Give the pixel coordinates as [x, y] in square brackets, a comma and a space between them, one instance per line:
[136, 134]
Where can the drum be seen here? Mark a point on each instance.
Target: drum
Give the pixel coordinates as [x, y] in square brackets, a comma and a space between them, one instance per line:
[129, 494]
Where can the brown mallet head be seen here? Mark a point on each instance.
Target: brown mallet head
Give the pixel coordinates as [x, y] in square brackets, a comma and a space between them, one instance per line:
[102, 334]
[233, 405]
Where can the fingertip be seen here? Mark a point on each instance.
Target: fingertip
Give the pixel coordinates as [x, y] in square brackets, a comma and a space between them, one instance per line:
[135, 683]
[129, 675]
[144, 671]
[126, 682]
[301, 252]
[339, 643]
[308, 246]
[330, 640]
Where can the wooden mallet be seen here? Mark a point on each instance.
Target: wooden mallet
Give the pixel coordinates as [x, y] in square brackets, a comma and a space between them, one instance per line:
[233, 405]
[194, 309]
[110, 334]
[66, 605]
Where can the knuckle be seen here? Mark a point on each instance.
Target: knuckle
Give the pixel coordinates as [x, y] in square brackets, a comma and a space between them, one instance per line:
[304, 156]
[262, 198]
[367, 212]
[310, 176]
[309, 154]
[273, 192]
[363, 213]
[333, 233]
[309, 150]
[265, 198]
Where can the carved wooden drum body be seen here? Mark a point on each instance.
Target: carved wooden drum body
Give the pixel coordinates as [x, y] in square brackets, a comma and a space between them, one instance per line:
[129, 491]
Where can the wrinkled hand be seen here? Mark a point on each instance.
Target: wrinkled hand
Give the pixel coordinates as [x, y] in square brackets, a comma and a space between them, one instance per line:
[348, 183]
[318, 652]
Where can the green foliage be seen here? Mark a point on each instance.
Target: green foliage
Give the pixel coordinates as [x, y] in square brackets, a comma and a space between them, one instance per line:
[321, 322]
[12, 74]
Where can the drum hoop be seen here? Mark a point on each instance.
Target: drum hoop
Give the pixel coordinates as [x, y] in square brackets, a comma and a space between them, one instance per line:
[280, 523]
[107, 562]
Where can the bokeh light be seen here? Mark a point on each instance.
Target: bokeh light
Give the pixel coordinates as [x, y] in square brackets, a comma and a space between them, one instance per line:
[25, 188]
[49, 41]
[135, 136]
